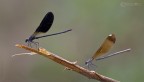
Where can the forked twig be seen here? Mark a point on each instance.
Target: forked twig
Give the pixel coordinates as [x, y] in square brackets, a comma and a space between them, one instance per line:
[69, 65]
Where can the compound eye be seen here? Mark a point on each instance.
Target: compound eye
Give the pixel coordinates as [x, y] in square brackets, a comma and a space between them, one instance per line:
[26, 40]
[86, 63]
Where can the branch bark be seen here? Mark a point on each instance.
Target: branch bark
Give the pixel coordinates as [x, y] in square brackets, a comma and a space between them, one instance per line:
[69, 65]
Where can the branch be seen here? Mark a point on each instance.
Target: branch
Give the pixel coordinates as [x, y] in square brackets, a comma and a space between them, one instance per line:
[69, 65]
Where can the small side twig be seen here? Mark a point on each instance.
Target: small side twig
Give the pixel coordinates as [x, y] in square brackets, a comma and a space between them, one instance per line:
[70, 65]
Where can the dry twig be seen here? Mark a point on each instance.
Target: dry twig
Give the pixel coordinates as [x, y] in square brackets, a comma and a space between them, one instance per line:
[69, 65]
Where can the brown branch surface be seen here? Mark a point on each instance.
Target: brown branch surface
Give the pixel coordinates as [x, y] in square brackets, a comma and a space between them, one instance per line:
[69, 65]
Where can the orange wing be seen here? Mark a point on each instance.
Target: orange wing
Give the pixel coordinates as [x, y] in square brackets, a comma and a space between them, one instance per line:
[105, 47]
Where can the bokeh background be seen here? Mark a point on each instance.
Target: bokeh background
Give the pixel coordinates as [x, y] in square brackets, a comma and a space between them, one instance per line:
[91, 20]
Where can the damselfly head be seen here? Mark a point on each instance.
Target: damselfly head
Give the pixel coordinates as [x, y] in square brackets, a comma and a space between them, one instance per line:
[30, 39]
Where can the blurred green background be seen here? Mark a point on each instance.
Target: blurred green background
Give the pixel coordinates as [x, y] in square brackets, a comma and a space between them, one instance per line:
[92, 21]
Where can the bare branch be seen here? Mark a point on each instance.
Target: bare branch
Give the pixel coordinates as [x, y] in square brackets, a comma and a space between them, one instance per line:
[69, 65]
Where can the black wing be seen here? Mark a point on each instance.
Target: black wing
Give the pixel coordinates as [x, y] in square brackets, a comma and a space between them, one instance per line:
[46, 23]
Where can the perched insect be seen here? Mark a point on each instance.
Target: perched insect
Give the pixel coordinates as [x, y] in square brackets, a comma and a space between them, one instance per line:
[104, 48]
[44, 26]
